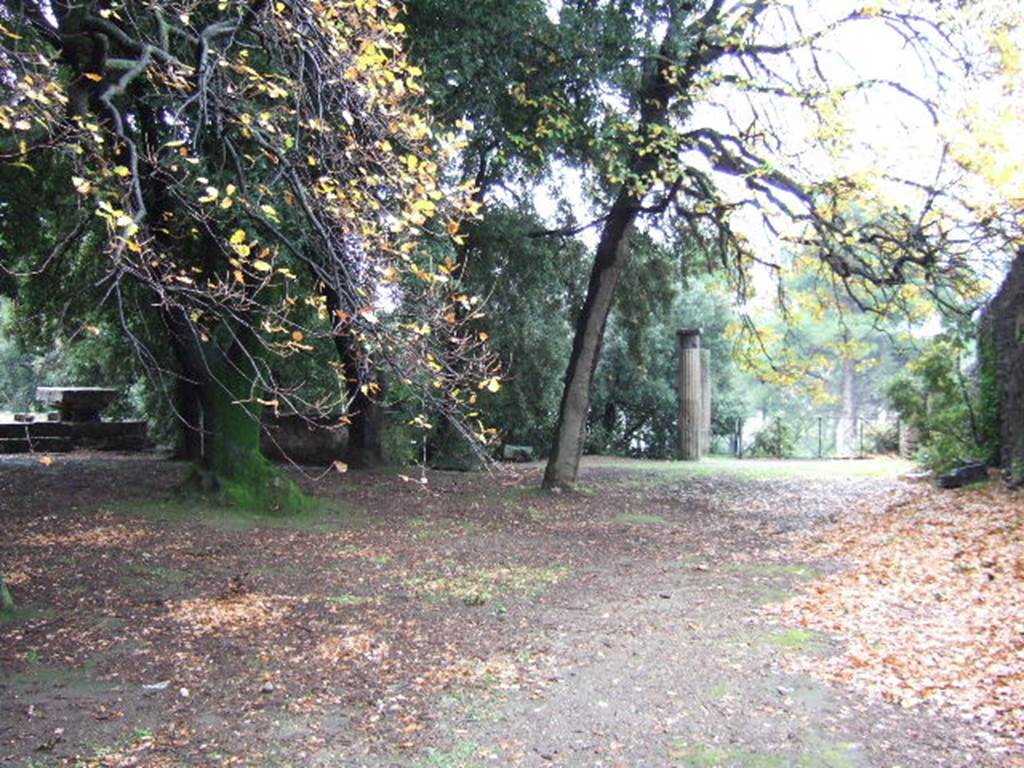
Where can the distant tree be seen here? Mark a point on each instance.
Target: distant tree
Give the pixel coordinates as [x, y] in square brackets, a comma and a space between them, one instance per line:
[816, 348]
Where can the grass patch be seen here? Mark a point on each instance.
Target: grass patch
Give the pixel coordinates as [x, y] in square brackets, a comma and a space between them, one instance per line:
[427, 529]
[320, 515]
[637, 518]
[758, 469]
[162, 574]
[795, 641]
[535, 515]
[46, 678]
[424, 529]
[716, 692]
[479, 587]
[803, 572]
[701, 756]
[830, 756]
[819, 756]
[476, 706]
[771, 596]
[346, 599]
[17, 614]
[462, 755]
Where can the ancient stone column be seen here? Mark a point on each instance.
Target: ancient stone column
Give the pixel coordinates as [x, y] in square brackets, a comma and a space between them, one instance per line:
[705, 402]
[691, 399]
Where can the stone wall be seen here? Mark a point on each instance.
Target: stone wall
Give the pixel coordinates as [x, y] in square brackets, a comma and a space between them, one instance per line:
[310, 441]
[1003, 327]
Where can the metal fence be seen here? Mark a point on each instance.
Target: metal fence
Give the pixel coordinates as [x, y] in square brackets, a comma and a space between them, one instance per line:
[810, 437]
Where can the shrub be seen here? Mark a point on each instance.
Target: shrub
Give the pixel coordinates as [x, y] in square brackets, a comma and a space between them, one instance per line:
[937, 398]
[777, 439]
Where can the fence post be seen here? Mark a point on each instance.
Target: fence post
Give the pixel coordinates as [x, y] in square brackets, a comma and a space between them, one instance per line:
[739, 438]
[861, 423]
[819, 437]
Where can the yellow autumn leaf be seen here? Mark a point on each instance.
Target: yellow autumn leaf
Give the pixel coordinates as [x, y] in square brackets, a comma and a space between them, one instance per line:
[491, 385]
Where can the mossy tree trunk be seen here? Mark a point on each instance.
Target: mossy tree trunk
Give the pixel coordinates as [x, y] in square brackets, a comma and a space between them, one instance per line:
[6, 601]
[221, 423]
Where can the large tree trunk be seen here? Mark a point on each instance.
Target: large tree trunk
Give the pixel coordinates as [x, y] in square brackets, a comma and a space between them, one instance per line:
[611, 259]
[365, 414]
[221, 425]
[659, 87]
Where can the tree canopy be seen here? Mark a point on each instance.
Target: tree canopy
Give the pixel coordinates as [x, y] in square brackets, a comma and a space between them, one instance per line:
[256, 176]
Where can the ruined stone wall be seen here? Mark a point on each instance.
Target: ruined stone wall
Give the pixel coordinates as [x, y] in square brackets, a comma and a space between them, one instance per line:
[1003, 327]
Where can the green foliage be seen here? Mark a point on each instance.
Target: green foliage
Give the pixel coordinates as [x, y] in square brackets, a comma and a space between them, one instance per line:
[935, 397]
[881, 438]
[778, 439]
[19, 370]
[531, 288]
[401, 444]
[401, 440]
[635, 403]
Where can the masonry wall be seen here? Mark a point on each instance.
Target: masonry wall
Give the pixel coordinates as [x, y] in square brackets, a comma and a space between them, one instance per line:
[1003, 327]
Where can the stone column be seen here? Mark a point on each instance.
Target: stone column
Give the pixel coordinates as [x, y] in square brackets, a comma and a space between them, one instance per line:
[691, 400]
[705, 402]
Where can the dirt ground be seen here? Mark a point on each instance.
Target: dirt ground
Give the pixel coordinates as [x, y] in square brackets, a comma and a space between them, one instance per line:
[463, 622]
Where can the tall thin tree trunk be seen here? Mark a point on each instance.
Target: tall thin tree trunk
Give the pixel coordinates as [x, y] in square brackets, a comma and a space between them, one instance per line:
[612, 257]
[365, 415]
[659, 87]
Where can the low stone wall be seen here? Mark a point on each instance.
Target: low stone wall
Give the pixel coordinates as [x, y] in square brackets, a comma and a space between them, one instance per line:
[62, 436]
[310, 441]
